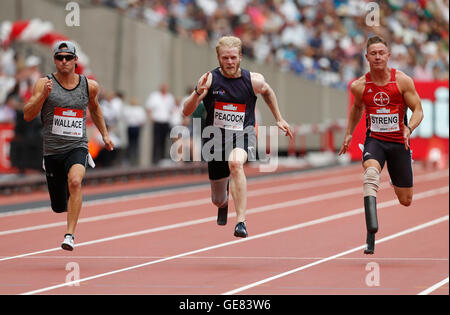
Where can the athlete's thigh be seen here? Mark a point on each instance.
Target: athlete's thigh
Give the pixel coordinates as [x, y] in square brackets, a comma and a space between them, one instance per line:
[399, 165]
[218, 170]
[374, 154]
[78, 156]
[76, 163]
[56, 182]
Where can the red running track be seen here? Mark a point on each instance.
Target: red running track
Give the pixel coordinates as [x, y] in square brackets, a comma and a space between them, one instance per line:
[306, 236]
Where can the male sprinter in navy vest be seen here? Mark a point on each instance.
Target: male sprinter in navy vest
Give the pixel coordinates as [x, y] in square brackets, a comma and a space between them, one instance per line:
[229, 94]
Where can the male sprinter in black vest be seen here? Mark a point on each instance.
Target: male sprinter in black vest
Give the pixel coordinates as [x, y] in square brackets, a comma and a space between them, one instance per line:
[229, 94]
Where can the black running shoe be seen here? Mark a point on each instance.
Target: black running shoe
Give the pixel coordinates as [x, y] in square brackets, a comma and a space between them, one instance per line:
[222, 213]
[240, 230]
[370, 246]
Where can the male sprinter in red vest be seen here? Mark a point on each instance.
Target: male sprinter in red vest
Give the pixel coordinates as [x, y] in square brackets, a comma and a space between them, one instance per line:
[386, 93]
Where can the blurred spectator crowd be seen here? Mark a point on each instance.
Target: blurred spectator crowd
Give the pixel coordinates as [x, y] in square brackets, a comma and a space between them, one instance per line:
[321, 40]
[124, 116]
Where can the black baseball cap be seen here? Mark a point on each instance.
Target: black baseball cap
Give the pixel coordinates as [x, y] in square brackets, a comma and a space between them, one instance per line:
[64, 46]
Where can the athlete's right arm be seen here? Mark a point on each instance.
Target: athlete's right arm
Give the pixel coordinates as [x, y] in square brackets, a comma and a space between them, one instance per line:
[41, 91]
[197, 95]
[357, 89]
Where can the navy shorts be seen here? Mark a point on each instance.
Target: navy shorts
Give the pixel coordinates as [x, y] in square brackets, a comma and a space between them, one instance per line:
[218, 169]
[398, 159]
[57, 168]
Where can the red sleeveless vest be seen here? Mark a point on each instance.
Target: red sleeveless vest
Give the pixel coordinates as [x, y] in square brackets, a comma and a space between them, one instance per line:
[385, 110]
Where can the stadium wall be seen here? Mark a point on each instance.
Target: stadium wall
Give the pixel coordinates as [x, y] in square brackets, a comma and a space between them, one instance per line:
[128, 55]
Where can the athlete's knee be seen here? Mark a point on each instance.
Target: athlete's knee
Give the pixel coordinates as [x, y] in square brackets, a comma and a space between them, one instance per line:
[235, 166]
[405, 200]
[59, 204]
[371, 181]
[59, 209]
[74, 183]
[219, 201]
[219, 192]
[404, 195]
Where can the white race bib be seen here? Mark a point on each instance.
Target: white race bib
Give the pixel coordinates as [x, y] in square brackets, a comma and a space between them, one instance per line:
[68, 122]
[229, 116]
[384, 123]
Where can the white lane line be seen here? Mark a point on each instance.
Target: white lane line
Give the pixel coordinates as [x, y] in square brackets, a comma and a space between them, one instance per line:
[182, 204]
[434, 287]
[75, 282]
[270, 233]
[257, 192]
[385, 239]
[271, 207]
[170, 191]
[200, 257]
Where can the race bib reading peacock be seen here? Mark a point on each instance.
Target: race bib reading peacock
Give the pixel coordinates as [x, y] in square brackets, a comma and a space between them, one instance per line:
[229, 116]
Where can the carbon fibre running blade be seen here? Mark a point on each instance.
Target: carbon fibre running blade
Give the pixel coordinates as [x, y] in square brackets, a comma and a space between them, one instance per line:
[222, 215]
[370, 246]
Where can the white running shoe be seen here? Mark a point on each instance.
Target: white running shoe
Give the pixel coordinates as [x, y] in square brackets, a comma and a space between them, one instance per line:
[68, 243]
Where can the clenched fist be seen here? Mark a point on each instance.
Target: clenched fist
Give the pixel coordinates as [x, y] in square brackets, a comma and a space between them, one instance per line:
[48, 85]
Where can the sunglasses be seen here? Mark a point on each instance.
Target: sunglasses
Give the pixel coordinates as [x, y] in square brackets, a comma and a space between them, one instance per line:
[67, 57]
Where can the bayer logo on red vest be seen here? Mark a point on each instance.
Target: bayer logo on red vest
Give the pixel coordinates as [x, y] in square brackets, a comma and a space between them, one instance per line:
[381, 99]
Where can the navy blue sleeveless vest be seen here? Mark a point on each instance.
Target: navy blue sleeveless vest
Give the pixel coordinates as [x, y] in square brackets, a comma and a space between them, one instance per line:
[230, 103]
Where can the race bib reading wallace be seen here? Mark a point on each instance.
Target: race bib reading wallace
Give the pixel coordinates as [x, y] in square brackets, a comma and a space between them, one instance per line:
[68, 122]
[229, 116]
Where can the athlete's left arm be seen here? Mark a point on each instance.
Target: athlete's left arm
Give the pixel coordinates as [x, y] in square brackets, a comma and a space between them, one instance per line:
[97, 115]
[260, 86]
[412, 100]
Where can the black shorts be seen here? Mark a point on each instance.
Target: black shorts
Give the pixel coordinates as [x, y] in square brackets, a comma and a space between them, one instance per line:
[220, 169]
[399, 162]
[57, 168]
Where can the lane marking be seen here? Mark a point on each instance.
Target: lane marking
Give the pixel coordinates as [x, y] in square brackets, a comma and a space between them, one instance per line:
[301, 175]
[434, 287]
[182, 204]
[258, 192]
[292, 271]
[297, 226]
[271, 207]
[436, 259]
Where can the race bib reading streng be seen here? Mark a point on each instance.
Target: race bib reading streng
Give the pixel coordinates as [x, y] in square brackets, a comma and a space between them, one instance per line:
[384, 123]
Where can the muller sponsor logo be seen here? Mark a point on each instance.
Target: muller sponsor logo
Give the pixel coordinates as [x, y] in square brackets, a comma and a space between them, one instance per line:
[230, 107]
[383, 111]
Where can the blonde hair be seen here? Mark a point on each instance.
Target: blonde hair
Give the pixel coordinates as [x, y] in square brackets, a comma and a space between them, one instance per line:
[229, 42]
